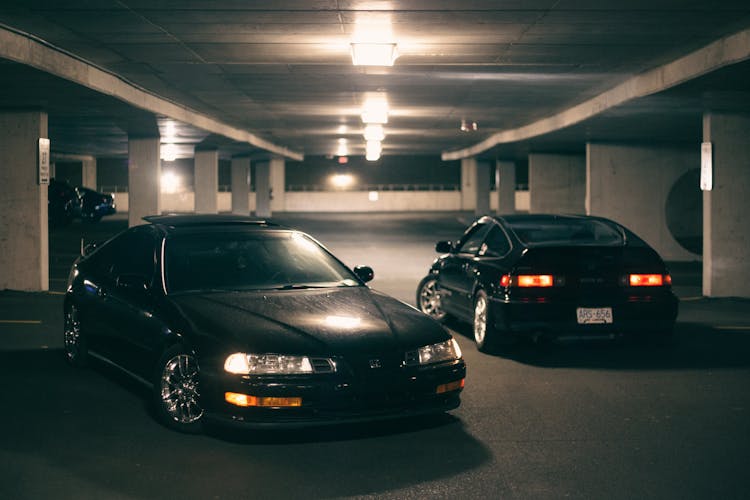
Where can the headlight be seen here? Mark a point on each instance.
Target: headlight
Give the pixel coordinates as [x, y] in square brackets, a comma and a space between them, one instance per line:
[281, 364]
[436, 353]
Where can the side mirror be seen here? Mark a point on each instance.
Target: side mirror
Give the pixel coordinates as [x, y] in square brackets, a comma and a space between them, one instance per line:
[365, 273]
[444, 247]
[132, 282]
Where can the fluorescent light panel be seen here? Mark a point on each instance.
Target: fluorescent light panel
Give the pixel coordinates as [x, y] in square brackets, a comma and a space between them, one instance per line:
[374, 54]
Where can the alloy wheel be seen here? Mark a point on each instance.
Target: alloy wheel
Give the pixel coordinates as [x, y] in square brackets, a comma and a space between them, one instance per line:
[480, 319]
[179, 389]
[429, 300]
[72, 334]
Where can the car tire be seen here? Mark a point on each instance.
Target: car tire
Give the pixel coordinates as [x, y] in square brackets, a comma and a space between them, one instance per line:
[176, 391]
[428, 298]
[488, 338]
[484, 333]
[74, 343]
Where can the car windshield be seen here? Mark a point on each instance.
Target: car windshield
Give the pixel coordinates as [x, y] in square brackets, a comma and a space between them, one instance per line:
[567, 232]
[250, 261]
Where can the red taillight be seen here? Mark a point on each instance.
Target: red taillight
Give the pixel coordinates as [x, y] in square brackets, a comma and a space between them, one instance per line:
[535, 280]
[505, 280]
[649, 279]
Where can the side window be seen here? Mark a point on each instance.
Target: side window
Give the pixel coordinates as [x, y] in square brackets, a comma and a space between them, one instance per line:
[133, 253]
[473, 239]
[497, 243]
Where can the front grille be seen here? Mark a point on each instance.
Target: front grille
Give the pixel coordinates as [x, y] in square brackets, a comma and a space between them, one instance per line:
[322, 365]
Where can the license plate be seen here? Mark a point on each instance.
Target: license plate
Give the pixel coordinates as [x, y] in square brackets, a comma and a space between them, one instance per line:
[594, 315]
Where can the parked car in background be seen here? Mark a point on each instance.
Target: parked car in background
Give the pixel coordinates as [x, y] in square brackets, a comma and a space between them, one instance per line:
[95, 205]
[550, 276]
[62, 203]
[247, 323]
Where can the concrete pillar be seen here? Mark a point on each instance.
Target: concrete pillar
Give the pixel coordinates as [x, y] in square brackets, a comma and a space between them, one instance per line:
[631, 185]
[278, 184]
[468, 184]
[482, 184]
[726, 225]
[24, 237]
[240, 185]
[206, 181]
[505, 183]
[88, 173]
[557, 183]
[144, 178]
[263, 188]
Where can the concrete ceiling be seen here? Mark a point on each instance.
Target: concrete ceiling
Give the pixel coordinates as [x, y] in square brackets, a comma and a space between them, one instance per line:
[282, 70]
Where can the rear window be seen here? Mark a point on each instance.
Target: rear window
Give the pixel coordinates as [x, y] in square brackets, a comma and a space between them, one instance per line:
[567, 232]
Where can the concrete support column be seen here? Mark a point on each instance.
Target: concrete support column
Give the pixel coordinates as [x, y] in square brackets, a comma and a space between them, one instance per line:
[505, 183]
[240, 185]
[263, 189]
[468, 184]
[206, 181]
[144, 178]
[88, 173]
[482, 188]
[632, 184]
[557, 183]
[278, 184]
[726, 225]
[24, 237]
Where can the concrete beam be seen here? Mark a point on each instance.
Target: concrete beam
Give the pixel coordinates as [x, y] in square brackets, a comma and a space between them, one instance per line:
[723, 52]
[25, 49]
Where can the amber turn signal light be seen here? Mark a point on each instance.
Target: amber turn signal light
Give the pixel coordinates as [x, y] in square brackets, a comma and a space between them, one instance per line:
[450, 386]
[246, 400]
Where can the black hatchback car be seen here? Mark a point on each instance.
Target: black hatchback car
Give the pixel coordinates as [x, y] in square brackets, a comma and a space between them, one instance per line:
[244, 322]
[550, 276]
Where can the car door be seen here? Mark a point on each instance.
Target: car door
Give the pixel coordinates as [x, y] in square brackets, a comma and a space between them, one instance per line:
[455, 279]
[130, 303]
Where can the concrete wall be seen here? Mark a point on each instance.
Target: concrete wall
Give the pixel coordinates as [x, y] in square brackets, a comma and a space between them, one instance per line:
[557, 183]
[343, 201]
[631, 184]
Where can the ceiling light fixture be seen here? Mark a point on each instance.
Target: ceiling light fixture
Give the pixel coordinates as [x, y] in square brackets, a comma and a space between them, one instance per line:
[343, 148]
[168, 152]
[373, 150]
[374, 132]
[375, 110]
[374, 53]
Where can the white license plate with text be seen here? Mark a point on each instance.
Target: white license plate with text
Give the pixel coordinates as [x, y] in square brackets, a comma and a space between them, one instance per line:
[594, 315]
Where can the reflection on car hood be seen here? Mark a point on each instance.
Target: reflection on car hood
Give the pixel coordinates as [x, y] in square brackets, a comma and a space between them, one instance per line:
[313, 321]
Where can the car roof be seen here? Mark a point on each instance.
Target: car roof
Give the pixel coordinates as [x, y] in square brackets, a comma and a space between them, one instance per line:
[172, 222]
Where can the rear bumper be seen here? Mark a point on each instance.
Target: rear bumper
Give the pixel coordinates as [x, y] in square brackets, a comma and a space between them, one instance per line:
[631, 316]
[333, 398]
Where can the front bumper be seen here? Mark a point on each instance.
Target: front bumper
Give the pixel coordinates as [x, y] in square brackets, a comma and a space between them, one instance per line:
[334, 398]
[557, 318]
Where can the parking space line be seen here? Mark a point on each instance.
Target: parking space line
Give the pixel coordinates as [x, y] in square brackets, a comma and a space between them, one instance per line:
[20, 322]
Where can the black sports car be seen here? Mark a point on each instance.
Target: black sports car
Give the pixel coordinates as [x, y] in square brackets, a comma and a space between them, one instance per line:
[550, 276]
[95, 205]
[244, 322]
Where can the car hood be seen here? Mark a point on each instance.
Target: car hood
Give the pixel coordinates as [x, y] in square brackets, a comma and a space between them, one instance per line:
[327, 321]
